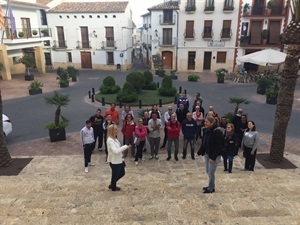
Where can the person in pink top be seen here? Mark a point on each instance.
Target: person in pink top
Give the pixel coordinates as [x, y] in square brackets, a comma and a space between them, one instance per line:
[198, 117]
[141, 133]
[173, 127]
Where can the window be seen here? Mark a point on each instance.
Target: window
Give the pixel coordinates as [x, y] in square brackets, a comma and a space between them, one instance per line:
[226, 30]
[109, 34]
[26, 28]
[9, 32]
[61, 37]
[68, 17]
[228, 5]
[167, 36]
[110, 58]
[168, 16]
[43, 17]
[189, 29]
[207, 33]
[84, 37]
[114, 16]
[69, 57]
[16, 59]
[98, 16]
[82, 16]
[75, 17]
[221, 57]
[91, 16]
[105, 16]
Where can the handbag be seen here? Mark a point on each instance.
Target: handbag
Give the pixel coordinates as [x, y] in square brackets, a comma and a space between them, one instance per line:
[136, 140]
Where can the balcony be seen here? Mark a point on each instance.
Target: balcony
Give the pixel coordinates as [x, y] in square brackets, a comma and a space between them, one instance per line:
[24, 33]
[190, 8]
[262, 11]
[167, 41]
[226, 33]
[59, 44]
[165, 20]
[189, 35]
[207, 33]
[109, 44]
[83, 45]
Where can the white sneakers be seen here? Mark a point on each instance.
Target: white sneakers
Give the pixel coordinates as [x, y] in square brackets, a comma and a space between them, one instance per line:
[86, 169]
[136, 163]
[91, 164]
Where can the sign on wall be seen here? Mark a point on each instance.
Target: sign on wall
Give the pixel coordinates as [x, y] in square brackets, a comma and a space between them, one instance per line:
[216, 43]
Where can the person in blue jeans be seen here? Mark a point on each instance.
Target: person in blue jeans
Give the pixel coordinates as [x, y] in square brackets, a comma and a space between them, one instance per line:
[212, 147]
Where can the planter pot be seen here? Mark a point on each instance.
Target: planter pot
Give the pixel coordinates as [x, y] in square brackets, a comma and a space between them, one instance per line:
[271, 100]
[57, 134]
[220, 80]
[29, 77]
[261, 90]
[74, 79]
[35, 91]
[64, 85]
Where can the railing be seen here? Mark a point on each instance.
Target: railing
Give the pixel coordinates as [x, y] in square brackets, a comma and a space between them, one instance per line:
[21, 33]
[264, 11]
[108, 44]
[226, 33]
[166, 41]
[167, 20]
[83, 44]
[207, 32]
[190, 34]
[59, 44]
[190, 7]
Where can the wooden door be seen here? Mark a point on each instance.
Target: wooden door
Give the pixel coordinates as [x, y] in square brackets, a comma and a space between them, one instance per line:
[61, 37]
[207, 61]
[26, 27]
[86, 60]
[167, 58]
[191, 60]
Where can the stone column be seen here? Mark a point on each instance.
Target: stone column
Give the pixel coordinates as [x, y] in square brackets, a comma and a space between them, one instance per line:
[5, 72]
[40, 59]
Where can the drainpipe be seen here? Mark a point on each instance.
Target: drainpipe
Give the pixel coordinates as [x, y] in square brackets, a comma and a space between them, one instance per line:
[176, 49]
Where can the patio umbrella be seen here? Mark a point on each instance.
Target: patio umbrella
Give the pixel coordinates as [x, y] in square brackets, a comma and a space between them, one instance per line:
[266, 57]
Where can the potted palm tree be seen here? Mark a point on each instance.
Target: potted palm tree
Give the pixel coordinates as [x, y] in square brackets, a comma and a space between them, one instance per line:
[62, 77]
[56, 129]
[35, 87]
[262, 84]
[272, 94]
[29, 62]
[221, 73]
[73, 73]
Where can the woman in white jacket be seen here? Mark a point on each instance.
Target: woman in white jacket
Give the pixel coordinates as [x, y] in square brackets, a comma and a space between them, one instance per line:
[114, 157]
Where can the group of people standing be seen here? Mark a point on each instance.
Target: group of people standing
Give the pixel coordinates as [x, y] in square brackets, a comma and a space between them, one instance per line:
[218, 138]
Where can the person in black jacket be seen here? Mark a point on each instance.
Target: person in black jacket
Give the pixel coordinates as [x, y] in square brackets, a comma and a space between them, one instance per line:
[189, 130]
[212, 146]
[231, 143]
[97, 121]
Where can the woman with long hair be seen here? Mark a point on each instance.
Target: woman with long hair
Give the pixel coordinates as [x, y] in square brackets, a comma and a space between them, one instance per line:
[231, 141]
[198, 117]
[141, 133]
[249, 144]
[114, 157]
[128, 130]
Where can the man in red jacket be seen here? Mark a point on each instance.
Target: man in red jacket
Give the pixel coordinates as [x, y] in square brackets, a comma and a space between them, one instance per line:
[173, 127]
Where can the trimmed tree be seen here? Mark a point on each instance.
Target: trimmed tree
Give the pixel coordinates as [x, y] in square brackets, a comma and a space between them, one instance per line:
[137, 80]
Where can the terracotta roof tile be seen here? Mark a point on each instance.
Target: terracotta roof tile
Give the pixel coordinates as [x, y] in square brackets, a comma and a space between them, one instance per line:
[88, 7]
[165, 5]
[43, 2]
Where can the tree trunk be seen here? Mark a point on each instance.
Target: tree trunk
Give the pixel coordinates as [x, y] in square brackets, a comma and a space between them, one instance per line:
[5, 158]
[57, 114]
[285, 103]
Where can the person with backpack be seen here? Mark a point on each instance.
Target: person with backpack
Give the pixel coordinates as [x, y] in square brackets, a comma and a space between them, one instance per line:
[173, 127]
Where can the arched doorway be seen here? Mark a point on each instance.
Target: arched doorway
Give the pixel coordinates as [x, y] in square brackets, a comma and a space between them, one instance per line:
[167, 58]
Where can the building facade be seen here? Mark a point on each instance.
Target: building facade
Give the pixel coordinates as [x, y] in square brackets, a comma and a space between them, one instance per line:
[92, 35]
[23, 32]
[205, 35]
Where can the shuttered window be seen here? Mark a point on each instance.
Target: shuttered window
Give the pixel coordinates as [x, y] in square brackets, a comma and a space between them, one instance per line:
[226, 31]
[221, 57]
[274, 31]
[61, 37]
[110, 58]
[167, 36]
[84, 37]
[189, 33]
[255, 32]
[109, 32]
[207, 29]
